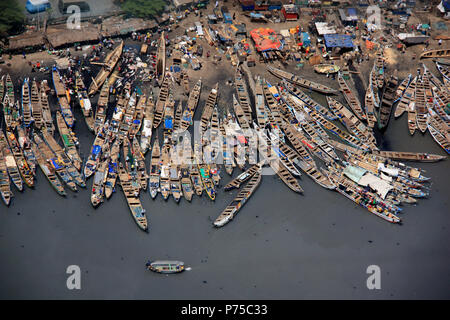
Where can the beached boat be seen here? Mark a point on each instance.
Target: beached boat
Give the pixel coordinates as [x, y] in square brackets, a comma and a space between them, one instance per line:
[138, 117]
[438, 53]
[444, 70]
[25, 145]
[379, 69]
[169, 113]
[351, 98]
[160, 104]
[161, 57]
[48, 169]
[70, 141]
[185, 78]
[189, 111]
[175, 184]
[102, 106]
[387, 102]
[177, 117]
[11, 164]
[10, 108]
[406, 98]
[5, 187]
[108, 65]
[25, 171]
[26, 103]
[128, 117]
[243, 96]
[165, 266]
[66, 111]
[194, 171]
[147, 127]
[46, 112]
[132, 196]
[35, 105]
[421, 105]
[240, 114]
[242, 197]
[63, 160]
[155, 169]
[300, 81]
[209, 107]
[58, 83]
[261, 116]
[84, 101]
[98, 183]
[326, 68]
[113, 169]
[440, 138]
[402, 88]
[141, 166]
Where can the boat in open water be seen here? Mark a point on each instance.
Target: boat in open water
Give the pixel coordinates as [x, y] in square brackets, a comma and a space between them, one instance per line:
[165, 266]
[5, 187]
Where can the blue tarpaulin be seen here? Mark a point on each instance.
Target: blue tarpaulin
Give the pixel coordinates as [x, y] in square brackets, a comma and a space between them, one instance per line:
[96, 149]
[168, 123]
[136, 121]
[338, 41]
[55, 164]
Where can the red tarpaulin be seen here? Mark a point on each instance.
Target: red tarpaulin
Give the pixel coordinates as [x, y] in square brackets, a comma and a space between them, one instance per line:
[266, 39]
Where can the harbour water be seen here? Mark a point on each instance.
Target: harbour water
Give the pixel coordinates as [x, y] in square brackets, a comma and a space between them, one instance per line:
[282, 245]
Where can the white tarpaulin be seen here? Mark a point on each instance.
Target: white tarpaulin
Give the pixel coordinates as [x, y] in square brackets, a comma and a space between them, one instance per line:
[379, 185]
[390, 171]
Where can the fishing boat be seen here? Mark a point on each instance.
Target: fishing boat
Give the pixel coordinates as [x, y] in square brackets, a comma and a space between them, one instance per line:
[48, 169]
[25, 145]
[160, 104]
[186, 184]
[161, 57]
[63, 160]
[102, 106]
[352, 123]
[195, 174]
[155, 169]
[35, 104]
[26, 103]
[439, 53]
[66, 111]
[189, 111]
[185, 78]
[242, 178]
[242, 197]
[169, 112]
[58, 83]
[177, 118]
[406, 99]
[369, 102]
[299, 94]
[128, 116]
[141, 166]
[25, 171]
[444, 70]
[379, 69]
[272, 108]
[10, 109]
[63, 97]
[147, 127]
[326, 68]
[387, 102]
[70, 141]
[5, 187]
[46, 112]
[402, 88]
[227, 156]
[113, 169]
[96, 151]
[108, 65]
[208, 184]
[351, 98]
[421, 106]
[209, 107]
[84, 101]
[132, 196]
[243, 97]
[98, 183]
[50, 156]
[261, 116]
[175, 185]
[300, 81]
[321, 140]
[410, 156]
[240, 114]
[439, 135]
[164, 180]
[165, 266]
[138, 116]
[11, 164]
[2, 87]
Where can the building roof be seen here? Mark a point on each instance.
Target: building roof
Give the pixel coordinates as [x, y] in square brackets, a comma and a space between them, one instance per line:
[338, 41]
[324, 28]
[28, 39]
[266, 39]
[59, 35]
